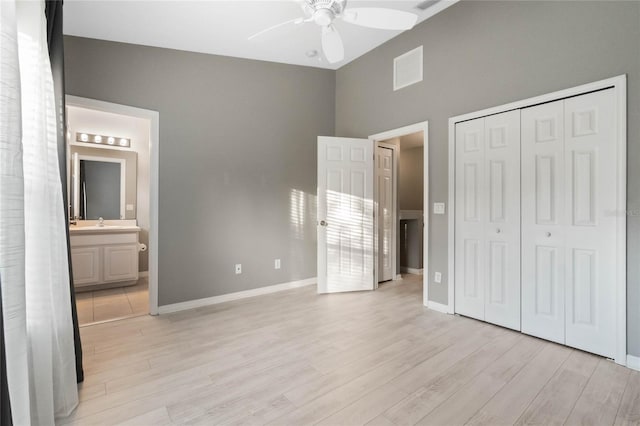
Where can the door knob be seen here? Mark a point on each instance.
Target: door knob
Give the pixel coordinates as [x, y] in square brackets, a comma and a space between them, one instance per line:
[548, 234]
[323, 223]
[498, 231]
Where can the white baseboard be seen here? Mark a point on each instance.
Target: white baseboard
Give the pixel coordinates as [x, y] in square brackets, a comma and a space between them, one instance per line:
[143, 274]
[191, 304]
[413, 271]
[437, 307]
[633, 362]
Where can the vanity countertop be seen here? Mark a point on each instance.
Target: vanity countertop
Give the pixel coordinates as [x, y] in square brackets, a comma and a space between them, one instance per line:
[102, 229]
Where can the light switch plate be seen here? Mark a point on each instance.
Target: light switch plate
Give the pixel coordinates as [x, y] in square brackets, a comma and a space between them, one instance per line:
[437, 277]
[129, 207]
[238, 268]
[438, 208]
[276, 264]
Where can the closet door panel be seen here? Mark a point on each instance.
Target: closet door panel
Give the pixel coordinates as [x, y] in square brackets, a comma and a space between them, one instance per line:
[590, 162]
[543, 215]
[470, 219]
[502, 177]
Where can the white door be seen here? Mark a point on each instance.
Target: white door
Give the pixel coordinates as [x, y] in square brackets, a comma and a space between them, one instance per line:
[470, 219]
[543, 219]
[345, 215]
[590, 180]
[502, 186]
[384, 174]
[569, 163]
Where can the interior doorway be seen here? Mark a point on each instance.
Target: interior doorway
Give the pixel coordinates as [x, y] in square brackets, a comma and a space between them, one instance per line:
[113, 247]
[401, 203]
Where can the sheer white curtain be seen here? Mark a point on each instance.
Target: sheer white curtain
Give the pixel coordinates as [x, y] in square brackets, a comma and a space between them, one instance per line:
[12, 217]
[39, 294]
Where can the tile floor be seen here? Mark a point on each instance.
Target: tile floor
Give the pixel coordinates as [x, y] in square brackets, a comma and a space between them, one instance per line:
[113, 303]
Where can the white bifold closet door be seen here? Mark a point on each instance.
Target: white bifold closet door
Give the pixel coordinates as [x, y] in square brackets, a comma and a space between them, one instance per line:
[569, 159]
[487, 216]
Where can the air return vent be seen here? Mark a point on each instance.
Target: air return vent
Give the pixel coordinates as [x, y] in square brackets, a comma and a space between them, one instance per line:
[426, 4]
[407, 69]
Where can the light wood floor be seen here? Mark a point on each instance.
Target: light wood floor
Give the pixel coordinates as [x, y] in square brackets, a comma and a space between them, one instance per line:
[113, 303]
[375, 358]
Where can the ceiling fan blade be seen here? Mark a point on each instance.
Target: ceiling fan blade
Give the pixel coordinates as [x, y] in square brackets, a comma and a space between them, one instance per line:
[273, 27]
[380, 18]
[332, 45]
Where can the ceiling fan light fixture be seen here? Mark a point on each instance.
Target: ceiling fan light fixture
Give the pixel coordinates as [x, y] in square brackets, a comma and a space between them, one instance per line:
[323, 17]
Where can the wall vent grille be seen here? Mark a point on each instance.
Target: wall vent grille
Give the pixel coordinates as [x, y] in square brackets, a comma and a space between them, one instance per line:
[408, 69]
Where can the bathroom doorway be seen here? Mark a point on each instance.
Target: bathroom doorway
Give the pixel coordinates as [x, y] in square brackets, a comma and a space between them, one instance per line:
[401, 170]
[112, 181]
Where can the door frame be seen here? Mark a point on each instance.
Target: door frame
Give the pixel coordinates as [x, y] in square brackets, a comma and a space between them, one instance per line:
[619, 85]
[154, 164]
[422, 126]
[394, 215]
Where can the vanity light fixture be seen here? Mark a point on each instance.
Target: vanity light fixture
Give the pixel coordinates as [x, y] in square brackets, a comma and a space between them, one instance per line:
[99, 139]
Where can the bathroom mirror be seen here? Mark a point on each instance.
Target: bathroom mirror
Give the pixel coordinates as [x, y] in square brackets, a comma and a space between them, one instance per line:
[99, 187]
[102, 183]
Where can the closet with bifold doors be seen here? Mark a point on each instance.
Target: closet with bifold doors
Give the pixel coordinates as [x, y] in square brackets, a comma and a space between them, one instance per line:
[536, 235]
[487, 213]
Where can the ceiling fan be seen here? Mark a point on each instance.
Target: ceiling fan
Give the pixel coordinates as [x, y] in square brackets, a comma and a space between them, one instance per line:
[325, 12]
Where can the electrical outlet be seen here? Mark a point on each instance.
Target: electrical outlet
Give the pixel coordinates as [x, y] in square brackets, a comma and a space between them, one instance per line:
[437, 277]
[438, 208]
[238, 268]
[276, 264]
[129, 207]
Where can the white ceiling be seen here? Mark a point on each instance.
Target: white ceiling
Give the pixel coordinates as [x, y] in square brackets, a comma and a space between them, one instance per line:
[222, 27]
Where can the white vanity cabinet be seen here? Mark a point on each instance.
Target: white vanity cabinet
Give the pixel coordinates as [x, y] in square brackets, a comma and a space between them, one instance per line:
[104, 257]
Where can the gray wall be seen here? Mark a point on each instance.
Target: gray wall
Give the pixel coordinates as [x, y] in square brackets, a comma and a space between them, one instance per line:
[237, 159]
[483, 54]
[411, 178]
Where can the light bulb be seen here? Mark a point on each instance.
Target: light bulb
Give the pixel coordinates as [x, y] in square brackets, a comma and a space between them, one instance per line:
[111, 140]
[97, 139]
[84, 137]
[123, 142]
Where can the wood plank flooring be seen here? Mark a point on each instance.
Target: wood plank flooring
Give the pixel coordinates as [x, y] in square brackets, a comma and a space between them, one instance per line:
[374, 358]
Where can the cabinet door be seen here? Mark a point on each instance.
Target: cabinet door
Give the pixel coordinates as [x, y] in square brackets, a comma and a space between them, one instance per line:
[502, 246]
[591, 230]
[543, 219]
[121, 263]
[470, 219]
[85, 262]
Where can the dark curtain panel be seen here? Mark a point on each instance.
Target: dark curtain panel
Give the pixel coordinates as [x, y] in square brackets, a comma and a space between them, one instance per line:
[53, 11]
[5, 405]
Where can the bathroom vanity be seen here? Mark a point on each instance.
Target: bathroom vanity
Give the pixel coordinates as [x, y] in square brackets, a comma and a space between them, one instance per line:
[105, 254]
